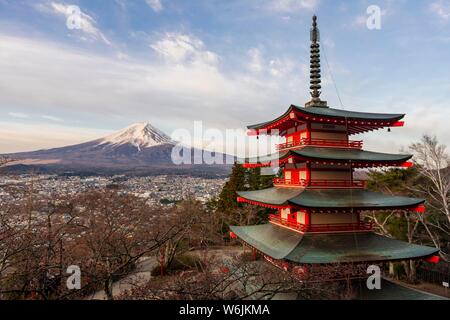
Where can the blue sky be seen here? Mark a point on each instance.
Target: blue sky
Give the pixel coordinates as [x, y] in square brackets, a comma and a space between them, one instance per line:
[228, 63]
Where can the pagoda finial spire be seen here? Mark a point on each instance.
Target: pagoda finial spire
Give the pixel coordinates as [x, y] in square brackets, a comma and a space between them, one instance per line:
[315, 78]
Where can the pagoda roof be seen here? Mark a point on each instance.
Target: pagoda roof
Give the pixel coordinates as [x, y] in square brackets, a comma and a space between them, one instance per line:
[309, 113]
[333, 154]
[272, 196]
[283, 244]
[349, 154]
[339, 113]
[329, 199]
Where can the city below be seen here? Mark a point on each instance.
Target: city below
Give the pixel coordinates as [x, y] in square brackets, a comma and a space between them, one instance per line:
[157, 190]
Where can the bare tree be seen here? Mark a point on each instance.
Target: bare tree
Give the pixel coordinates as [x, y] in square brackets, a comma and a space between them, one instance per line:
[32, 246]
[238, 281]
[103, 232]
[433, 165]
[115, 232]
[189, 216]
[224, 276]
[383, 220]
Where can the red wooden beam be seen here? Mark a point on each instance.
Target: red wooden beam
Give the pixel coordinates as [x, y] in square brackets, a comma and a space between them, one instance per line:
[256, 203]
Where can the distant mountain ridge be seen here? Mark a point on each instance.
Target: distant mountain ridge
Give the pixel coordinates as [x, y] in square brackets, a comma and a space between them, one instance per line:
[138, 149]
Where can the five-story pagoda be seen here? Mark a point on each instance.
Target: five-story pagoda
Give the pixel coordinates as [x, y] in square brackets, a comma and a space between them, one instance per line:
[318, 201]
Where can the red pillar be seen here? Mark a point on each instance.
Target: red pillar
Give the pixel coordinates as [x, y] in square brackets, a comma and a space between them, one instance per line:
[308, 173]
[307, 220]
[308, 131]
[253, 254]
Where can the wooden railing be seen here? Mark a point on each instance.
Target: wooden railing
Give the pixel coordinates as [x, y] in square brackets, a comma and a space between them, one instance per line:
[336, 143]
[320, 183]
[343, 227]
[291, 224]
[338, 227]
[289, 182]
[337, 183]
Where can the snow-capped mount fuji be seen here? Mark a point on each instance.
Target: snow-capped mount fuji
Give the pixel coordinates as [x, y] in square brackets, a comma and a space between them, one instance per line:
[138, 149]
[141, 135]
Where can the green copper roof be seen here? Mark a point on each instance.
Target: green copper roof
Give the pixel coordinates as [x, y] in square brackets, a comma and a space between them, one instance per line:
[336, 154]
[280, 243]
[328, 248]
[274, 241]
[330, 198]
[349, 154]
[335, 113]
[351, 198]
[274, 196]
[338, 113]
[265, 159]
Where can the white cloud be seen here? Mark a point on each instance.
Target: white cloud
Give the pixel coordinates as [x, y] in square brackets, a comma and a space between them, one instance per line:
[275, 67]
[442, 9]
[52, 118]
[87, 23]
[19, 115]
[47, 78]
[293, 5]
[156, 5]
[256, 60]
[281, 67]
[181, 48]
[42, 77]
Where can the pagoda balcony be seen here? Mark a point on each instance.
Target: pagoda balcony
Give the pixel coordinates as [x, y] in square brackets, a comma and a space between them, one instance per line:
[322, 228]
[331, 143]
[320, 183]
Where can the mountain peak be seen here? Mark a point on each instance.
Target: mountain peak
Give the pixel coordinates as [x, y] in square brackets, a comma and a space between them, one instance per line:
[141, 135]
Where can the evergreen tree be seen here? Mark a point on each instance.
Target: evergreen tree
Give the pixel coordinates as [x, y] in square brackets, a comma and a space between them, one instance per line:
[256, 181]
[233, 213]
[227, 198]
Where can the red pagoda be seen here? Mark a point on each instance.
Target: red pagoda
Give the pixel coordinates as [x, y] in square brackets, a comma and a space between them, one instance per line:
[318, 201]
